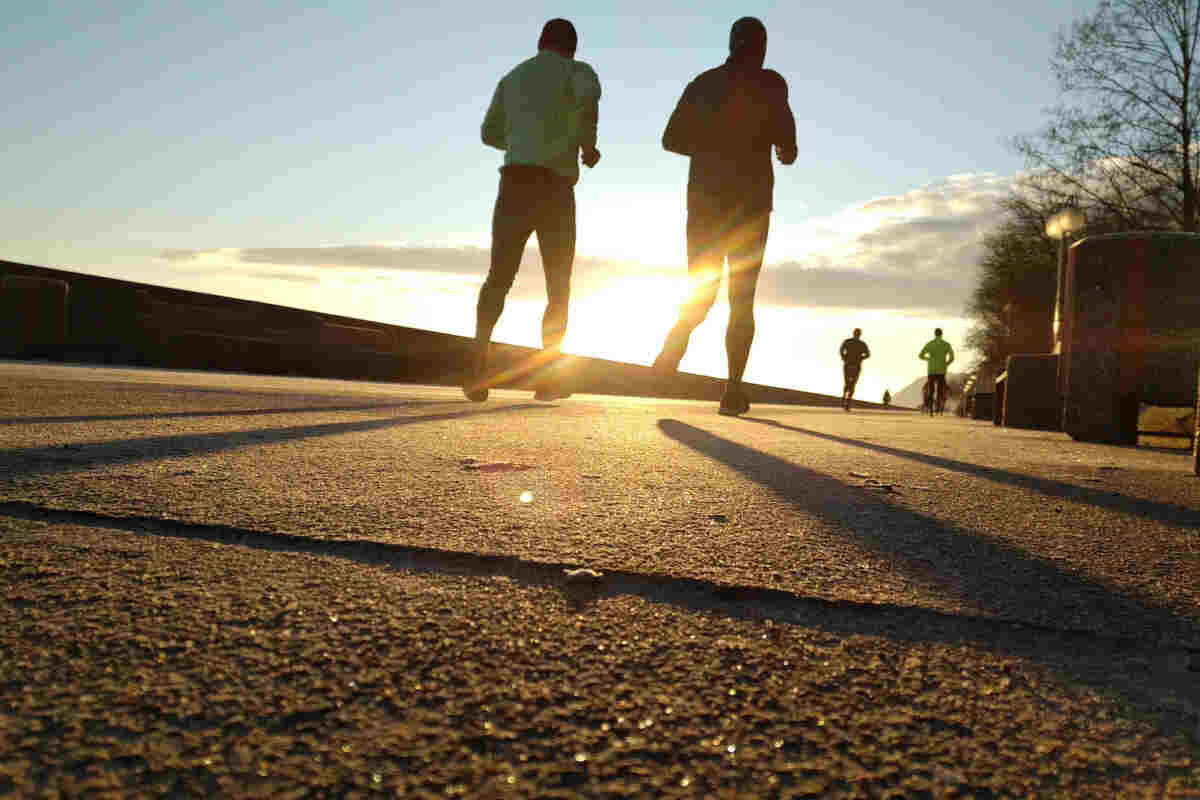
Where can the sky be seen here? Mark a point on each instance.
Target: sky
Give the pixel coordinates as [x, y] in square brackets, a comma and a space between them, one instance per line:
[327, 156]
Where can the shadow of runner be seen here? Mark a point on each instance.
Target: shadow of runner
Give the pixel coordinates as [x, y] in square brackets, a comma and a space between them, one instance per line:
[1161, 512]
[976, 572]
[56, 459]
[244, 412]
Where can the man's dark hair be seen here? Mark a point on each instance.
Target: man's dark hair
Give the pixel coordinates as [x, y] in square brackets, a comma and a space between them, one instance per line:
[858, 331]
[748, 35]
[558, 34]
[937, 331]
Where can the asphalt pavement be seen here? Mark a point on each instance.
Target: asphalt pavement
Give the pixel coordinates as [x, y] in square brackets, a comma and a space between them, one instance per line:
[246, 586]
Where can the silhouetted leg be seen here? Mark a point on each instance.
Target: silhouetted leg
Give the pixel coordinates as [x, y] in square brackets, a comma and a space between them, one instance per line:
[705, 258]
[746, 244]
[512, 222]
[556, 241]
[745, 263]
[703, 280]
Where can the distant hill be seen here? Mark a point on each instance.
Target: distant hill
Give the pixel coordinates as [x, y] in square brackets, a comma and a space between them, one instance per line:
[910, 395]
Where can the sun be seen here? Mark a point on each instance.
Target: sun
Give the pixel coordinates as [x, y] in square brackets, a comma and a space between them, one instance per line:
[625, 321]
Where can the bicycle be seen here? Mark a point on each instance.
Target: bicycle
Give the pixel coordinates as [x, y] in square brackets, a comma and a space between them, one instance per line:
[933, 397]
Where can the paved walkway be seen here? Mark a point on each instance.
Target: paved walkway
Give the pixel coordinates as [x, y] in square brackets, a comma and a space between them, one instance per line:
[243, 585]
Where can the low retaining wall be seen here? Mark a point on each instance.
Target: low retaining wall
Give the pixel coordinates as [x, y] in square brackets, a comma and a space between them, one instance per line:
[981, 405]
[1131, 331]
[33, 315]
[1031, 398]
[114, 321]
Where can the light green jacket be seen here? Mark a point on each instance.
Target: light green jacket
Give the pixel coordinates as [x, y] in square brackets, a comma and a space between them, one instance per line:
[543, 111]
[939, 354]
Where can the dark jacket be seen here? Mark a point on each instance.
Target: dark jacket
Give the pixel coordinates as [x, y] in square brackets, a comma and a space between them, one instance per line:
[727, 121]
[854, 351]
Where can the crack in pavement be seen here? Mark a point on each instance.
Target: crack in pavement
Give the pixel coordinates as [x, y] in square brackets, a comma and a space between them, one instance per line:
[694, 594]
[1160, 680]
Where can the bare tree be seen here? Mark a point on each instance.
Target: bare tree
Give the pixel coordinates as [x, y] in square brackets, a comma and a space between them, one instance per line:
[1012, 302]
[1122, 137]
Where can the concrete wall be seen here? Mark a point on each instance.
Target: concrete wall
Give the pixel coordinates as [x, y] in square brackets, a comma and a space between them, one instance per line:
[1131, 331]
[1029, 326]
[1031, 398]
[979, 405]
[64, 315]
[33, 315]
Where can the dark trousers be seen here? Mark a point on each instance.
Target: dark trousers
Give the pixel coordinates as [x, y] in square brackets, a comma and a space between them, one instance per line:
[851, 372]
[932, 383]
[531, 199]
[716, 232]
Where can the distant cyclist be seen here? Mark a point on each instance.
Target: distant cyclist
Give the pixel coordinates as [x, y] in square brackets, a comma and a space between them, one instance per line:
[854, 351]
[939, 355]
[887, 398]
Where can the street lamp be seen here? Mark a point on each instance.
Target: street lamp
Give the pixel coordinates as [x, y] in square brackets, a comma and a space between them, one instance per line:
[1061, 226]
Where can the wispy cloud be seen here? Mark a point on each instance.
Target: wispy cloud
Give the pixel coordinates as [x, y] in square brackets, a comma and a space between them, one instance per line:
[792, 285]
[286, 275]
[915, 251]
[459, 260]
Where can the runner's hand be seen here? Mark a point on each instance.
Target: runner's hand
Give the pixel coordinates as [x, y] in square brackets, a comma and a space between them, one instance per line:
[785, 156]
[590, 157]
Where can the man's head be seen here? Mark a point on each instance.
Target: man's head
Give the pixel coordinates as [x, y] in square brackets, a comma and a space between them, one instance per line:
[559, 35]
[857, 332]
[748, 42]
[937, 332]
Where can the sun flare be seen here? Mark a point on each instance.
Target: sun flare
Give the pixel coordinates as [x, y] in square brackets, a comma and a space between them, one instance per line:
[625, 321]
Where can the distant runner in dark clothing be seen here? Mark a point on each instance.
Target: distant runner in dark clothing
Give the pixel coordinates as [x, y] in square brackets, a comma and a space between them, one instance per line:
[727, 122]
[854, 351]
[543, 115]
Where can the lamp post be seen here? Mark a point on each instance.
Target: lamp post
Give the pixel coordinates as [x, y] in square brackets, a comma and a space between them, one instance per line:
[1061, 226]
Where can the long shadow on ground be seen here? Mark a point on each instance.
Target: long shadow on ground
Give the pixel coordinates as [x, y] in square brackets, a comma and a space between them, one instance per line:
[31, 461]
[956, 563]
[244, 412]
[1161, 512]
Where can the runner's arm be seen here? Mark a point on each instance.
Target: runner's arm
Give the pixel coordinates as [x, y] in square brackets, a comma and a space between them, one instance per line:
[587, 93]
[493, 129]
[680, 135]
[785, 126]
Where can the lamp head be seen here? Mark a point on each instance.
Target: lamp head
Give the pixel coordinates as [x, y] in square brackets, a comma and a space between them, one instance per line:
[1065, 222]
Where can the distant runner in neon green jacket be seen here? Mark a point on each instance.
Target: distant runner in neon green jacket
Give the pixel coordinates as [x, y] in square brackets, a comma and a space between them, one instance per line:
[940, 355]
[938, 352]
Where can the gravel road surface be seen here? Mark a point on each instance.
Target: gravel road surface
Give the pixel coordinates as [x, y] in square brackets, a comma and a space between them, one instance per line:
[248, 586]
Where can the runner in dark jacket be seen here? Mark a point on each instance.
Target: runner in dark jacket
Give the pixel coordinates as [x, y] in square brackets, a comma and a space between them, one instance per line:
[727, 122]
[853, 351]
